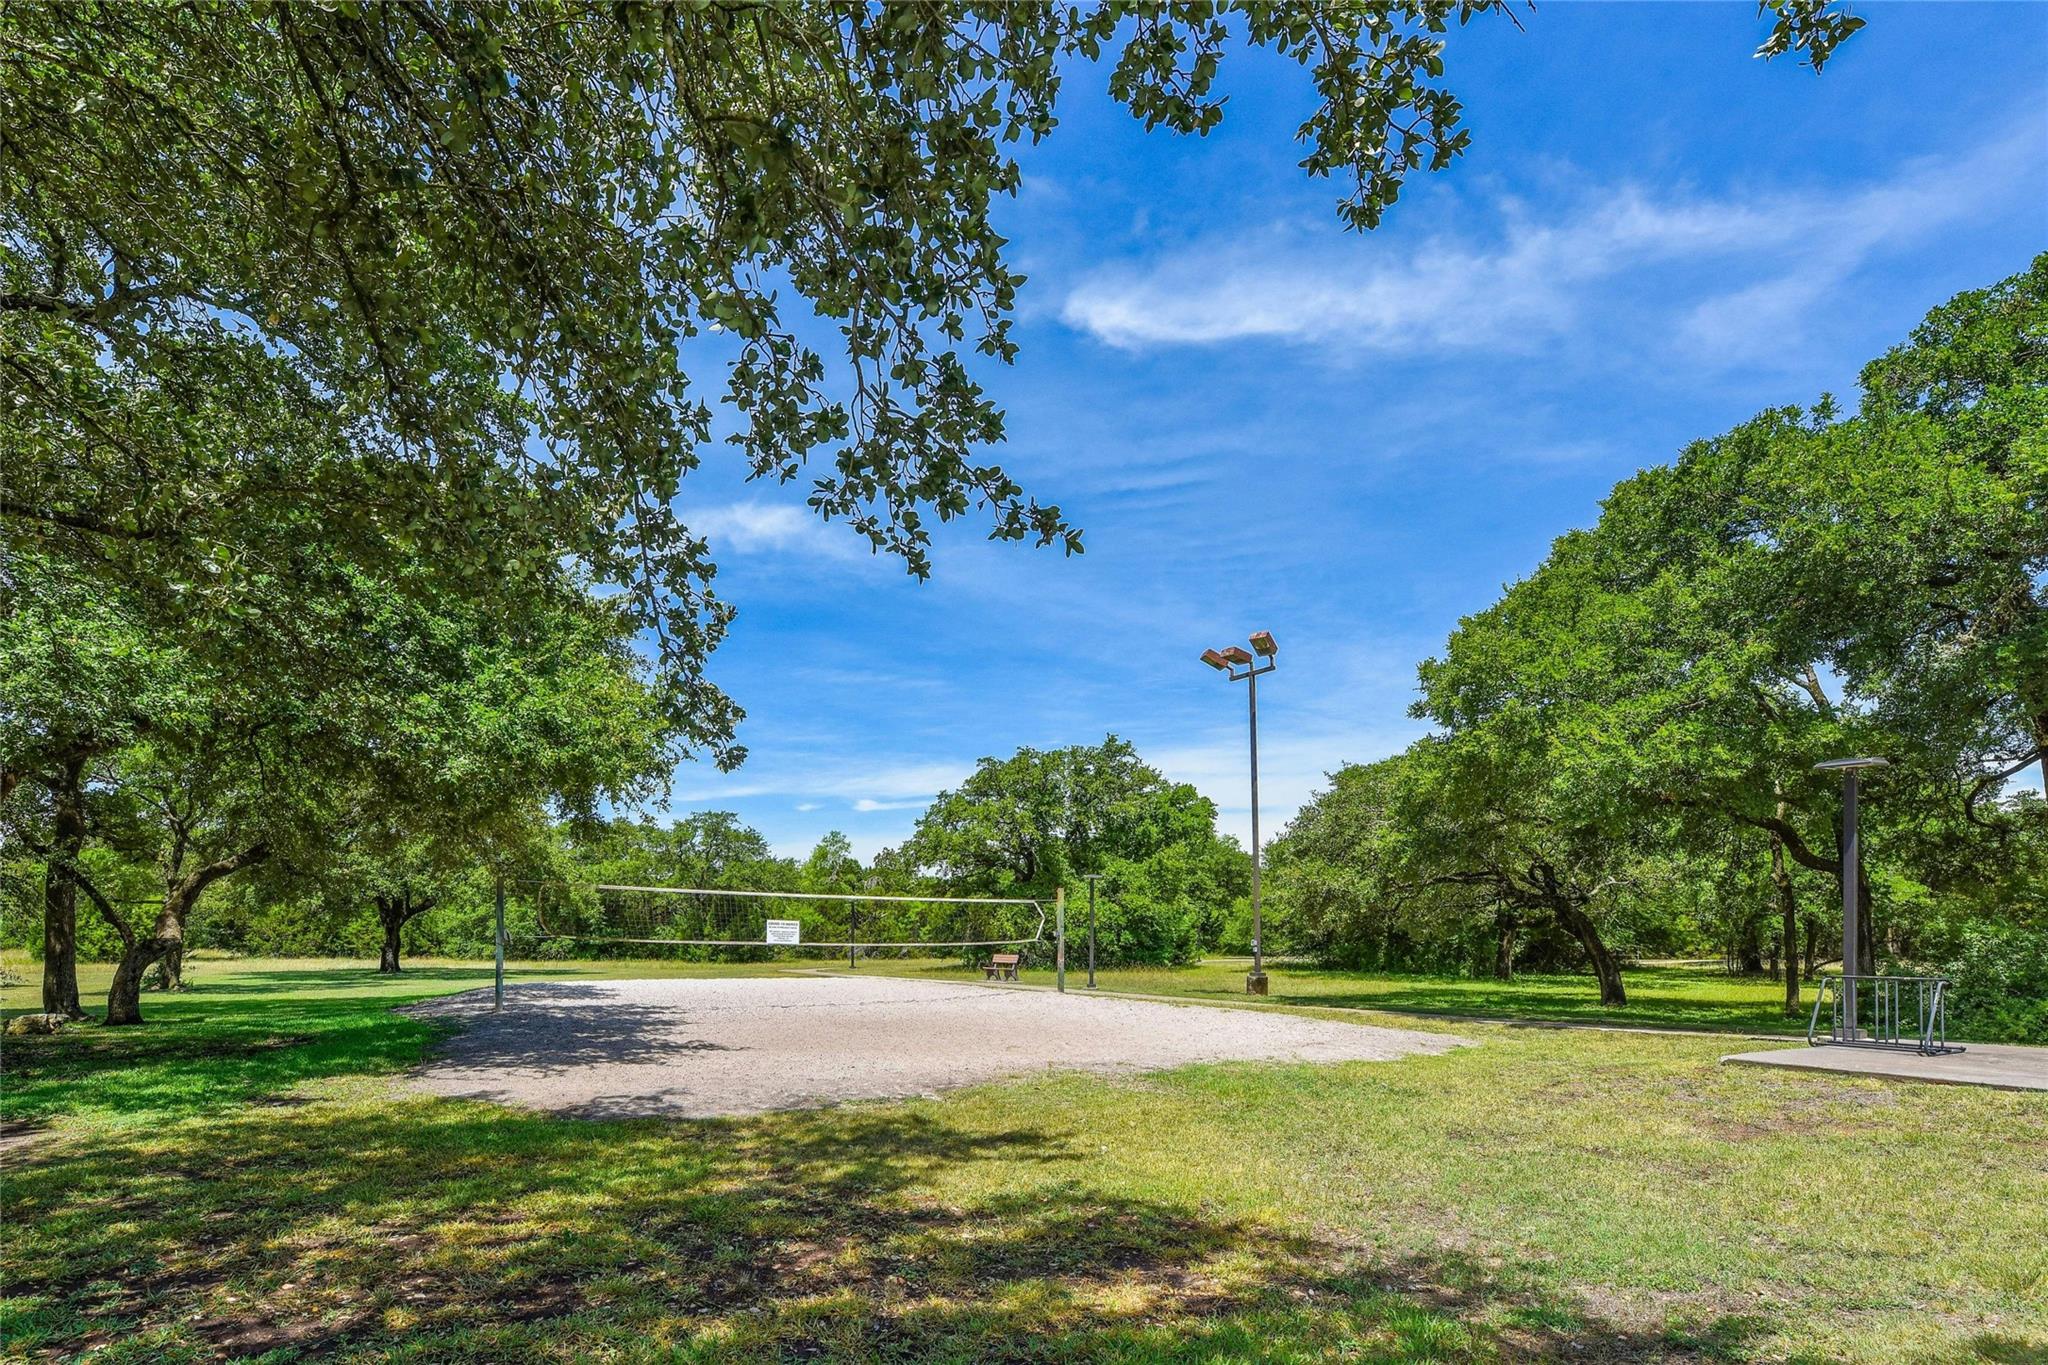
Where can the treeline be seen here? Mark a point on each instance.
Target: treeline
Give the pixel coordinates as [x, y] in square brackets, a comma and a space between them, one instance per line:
[1171, 888]
[1622, 750]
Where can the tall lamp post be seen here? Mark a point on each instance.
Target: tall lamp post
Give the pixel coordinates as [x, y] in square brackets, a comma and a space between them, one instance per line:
[1239, 665]
[1091, 878]
[1852, 857]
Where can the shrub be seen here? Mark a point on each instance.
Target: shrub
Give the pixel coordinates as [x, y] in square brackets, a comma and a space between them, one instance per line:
[1999, 984]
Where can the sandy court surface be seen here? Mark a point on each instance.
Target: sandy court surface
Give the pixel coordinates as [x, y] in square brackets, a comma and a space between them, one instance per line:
[744, 1045]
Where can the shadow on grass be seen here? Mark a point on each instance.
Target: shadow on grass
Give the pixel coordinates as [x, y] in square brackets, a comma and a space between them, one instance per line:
[449, 1230]
[555, 1027]
[1657, 998]
[244, 982]
[200, 1053]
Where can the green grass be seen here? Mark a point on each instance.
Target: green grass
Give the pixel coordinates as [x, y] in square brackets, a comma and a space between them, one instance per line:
[1658, 997]
[241, 1178]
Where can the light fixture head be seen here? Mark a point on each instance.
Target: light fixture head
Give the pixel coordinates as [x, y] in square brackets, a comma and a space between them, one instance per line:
[1091, 876]
[1214, 659]
[1237, 655]
[1263, 646]
[1835, 765]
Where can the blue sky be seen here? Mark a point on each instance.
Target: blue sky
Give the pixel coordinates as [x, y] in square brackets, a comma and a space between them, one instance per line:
[1266, 422]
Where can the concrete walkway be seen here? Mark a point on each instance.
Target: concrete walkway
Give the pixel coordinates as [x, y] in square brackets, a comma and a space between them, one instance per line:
[1997, 1065]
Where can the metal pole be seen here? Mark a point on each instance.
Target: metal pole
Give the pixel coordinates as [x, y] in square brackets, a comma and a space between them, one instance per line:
[852, 931]
[1091, 931]
[1850, 858]
[1059, 951]
[498, 993]
[1255, 984]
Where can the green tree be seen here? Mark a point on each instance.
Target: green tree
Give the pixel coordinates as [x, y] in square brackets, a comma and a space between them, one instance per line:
[1917, 534]
[1032, 823]
[1655, 695]
[831, 867]
[78, 679]
[463, 282]
[704, 849]
[395, 720]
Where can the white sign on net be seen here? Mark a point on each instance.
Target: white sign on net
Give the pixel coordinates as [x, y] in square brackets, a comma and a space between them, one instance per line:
[785, 931]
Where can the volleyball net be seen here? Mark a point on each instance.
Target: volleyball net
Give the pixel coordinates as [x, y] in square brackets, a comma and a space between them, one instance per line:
[703, 917]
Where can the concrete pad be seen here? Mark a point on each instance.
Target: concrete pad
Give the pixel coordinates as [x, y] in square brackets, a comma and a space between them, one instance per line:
[700, 1048]
[1997, 1065]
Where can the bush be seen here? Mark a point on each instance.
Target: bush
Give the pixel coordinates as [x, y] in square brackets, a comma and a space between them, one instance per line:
[1998, 990]
[1150, 912]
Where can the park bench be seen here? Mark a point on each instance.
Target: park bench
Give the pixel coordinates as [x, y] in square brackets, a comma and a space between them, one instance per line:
[1001, 967]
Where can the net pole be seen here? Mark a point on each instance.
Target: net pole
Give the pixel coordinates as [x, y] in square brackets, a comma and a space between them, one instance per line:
[498, 989]
[1059, 952]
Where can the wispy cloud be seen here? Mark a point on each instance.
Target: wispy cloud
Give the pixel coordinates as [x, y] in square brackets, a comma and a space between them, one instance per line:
[1536, 277]
[772, 527]
[870, 786]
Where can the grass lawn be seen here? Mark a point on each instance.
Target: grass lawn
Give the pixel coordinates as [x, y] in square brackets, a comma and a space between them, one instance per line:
[239, 1178]
[1658, 997]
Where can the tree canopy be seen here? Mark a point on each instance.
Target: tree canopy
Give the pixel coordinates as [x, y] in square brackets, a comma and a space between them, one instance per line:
[473, 285]
[1041, 820]
[1650, 702]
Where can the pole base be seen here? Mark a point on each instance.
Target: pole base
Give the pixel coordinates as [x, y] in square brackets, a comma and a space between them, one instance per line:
[1255, 983]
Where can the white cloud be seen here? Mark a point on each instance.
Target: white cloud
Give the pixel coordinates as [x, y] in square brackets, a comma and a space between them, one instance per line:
[773, 527]
[1535, 279]
[808, 805]
[868, 785]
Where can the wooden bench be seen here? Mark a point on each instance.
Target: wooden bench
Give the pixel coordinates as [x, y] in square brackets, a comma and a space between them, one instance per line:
[1001, 967]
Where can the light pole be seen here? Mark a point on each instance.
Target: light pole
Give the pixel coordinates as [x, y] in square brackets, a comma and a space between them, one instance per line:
[1240, 666]
[1852, 857]
[1091, 878]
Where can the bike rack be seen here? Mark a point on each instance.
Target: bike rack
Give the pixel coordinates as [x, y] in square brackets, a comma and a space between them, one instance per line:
[1869, 1011]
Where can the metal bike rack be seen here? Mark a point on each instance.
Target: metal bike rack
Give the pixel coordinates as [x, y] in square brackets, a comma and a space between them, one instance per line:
[1870, 1011]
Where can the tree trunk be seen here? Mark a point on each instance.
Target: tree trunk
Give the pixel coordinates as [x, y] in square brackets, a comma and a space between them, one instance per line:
[124, 996]
[394, 912]
[2041, 748]
[1812, 954]
[60, 945]
[1580, 926]
[1504, 948]
[170, 973]
[1788, 927]
[1750, 953]
[60, 894]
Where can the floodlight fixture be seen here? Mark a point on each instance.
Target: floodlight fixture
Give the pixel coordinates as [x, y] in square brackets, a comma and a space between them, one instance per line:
[1238, 664]
[1840, 765]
